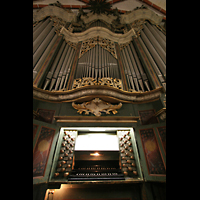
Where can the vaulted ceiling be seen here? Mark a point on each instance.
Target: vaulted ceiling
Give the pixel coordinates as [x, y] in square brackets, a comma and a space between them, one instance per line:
[158, 6]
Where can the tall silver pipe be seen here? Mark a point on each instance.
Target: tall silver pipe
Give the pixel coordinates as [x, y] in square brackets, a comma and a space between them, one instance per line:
[108, 61]
[64, 68]
[42, 47]
[55, 74]
[157, 36]
[90, 64]
[160, 33]
[100, 61]
[135, 68]
[132, 69]
[50, 73]
[153, 52]
[81, 66]
[125, 70]
[40, 29]
[106, 64]
[128, 69]
[58, 70]
[43, 57]
[37, 26]
[103, 63]
[93, 61]
[84, 66]
[96, 61]
[69, 67]
[42, 36]
[143, 75]
[155, 43]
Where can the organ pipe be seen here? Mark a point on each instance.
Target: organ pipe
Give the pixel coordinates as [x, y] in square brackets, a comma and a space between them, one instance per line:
[55, 75]
[159, 74]
[43, 57]
[41, 37]
[69, 68]
[157, 36]
[132, 69]
[155, 44]
[160, 33]
[64, 65]
[154, 54]
[43, 46]
[143, 75]
[50, 73]
[128, 70]
[97, 63]
[40, 29]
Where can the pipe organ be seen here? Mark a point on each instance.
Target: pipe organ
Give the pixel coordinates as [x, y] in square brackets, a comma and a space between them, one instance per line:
[98, 64]
[111, 68]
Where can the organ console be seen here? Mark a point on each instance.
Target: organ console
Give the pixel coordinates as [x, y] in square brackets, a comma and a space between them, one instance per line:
[97, 165]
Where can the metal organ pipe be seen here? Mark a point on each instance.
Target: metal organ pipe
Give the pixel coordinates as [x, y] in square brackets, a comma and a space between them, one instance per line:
[159, 74]
[93, 60]
[160, 33]
[37, 26]
[41, 37]
[40, 29]
[100, 65]
[155, 43]
[97, 63]
[128, 70]
[157, 36]
[132, 69]
[153, 52]
[44, 55]
[64, 65]
[135, 68]
[103, 62]
[68, 67]
[55, 75]
[50, 73]
[143, 75]
[125, 70]
[42, 46]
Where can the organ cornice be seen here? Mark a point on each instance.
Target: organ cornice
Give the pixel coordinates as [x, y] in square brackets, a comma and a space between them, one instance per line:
[68, 16]
[106, 93]
[97, 31]
[61, 16]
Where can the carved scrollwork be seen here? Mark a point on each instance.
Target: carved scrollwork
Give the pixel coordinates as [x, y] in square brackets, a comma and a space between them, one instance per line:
[103, 42]
[96, 107]
[116, 83]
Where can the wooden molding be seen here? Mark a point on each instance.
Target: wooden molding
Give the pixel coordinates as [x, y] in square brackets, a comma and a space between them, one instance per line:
[94, 119]
[106, 93]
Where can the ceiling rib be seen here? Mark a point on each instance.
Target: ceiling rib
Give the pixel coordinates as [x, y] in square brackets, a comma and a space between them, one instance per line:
[36, 6]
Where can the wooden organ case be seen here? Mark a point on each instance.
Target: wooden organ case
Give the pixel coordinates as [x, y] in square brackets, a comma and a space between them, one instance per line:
[71, 165]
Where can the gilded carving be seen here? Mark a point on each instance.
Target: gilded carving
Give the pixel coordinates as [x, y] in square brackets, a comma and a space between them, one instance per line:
[137, 25]
[103, 42]
[116, 83]
[96, 107]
